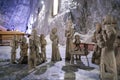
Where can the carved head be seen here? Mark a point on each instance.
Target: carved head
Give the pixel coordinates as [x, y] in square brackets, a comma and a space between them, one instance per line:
[24, 40]
[77, 37]
[54, 30]
[67, 31]
[69, 23]
[109, 20]
[34, 32]
[98, 27]
[42, 36]
[15, 37]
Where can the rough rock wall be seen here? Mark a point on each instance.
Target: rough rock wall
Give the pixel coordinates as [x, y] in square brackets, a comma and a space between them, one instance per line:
[42, 21]
[85, 13]
[88, 12]
[14, 14]
[46, 21]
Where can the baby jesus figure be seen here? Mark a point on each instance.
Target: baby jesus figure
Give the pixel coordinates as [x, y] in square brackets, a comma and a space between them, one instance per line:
[77, 46]
[77, 43]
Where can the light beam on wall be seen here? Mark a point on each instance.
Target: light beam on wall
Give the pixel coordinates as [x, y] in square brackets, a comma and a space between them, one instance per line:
[42, 2]
[55, 7]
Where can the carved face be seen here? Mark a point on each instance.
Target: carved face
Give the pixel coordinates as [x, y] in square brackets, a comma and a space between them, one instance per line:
[34, 32]
[54, 30]
[15, 37]
[42, 36]
[77, 37]
[98, 27]
[69, 23]
[109, 20]
[24, 39]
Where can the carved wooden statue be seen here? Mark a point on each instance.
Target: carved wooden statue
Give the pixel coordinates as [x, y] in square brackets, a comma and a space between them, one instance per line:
[77, 46]
[117, 50]
[97, 50]
[55, 49]
[14, 46]
[24, 51]
[34, 57]
[117, 44]
[69, 33]
[108, 62]
[43, 46]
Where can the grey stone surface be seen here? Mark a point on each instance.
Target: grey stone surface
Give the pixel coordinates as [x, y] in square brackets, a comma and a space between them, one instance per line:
[61, 70]
[48, 71]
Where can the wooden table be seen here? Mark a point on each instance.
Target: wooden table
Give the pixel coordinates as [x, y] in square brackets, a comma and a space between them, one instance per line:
[6, 36]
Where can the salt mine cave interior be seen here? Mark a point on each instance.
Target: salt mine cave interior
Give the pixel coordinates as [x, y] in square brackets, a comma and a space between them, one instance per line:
[59, 39]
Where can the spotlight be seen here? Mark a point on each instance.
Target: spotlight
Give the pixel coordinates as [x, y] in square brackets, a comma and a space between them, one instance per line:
[42, 2]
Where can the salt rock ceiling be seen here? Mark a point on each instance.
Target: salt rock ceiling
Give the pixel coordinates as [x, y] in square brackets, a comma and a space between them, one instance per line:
[18, 14]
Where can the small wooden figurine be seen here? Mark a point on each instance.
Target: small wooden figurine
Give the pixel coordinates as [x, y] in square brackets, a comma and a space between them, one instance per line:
[55, 50]
[14, 46]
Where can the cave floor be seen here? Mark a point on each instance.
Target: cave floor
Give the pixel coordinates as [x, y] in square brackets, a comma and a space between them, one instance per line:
[61, 70]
